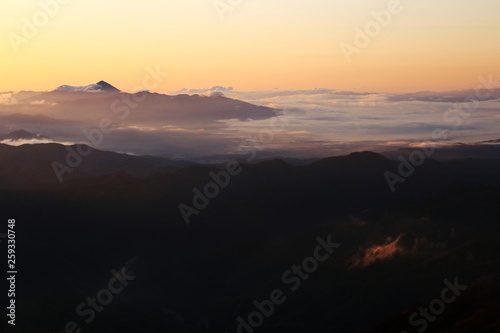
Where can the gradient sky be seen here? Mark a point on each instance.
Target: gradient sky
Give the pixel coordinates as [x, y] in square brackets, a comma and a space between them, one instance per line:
[262, 44]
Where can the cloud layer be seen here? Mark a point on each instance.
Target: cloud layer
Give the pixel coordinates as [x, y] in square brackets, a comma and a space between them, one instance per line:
[197, 123]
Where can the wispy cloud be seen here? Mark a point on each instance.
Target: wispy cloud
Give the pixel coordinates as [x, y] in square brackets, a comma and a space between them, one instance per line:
[87, 88]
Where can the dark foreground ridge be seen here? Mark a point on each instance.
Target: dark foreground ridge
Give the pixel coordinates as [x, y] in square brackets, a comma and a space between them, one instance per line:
[116, 210]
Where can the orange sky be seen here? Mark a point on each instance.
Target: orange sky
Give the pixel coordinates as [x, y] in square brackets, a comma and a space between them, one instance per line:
[259, 45]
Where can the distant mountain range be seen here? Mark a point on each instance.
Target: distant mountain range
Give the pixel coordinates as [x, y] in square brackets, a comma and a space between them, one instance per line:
[21, 135]
[29, 165]
[455, 96]
[39, 157]
[101, 98]
[143, 122]
[216, 121]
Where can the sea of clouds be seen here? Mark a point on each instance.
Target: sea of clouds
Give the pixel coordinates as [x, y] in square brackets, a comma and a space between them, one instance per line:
[319, 122]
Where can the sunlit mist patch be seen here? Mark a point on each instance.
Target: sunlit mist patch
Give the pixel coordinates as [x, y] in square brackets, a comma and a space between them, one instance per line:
[375, 253]
[21, 142]
[405, 244]
[7, 99]
[42, 102]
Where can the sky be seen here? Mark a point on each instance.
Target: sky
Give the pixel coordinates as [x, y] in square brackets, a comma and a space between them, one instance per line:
[256, 45]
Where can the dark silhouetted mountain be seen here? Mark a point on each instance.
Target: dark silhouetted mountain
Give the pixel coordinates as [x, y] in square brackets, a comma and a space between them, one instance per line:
[396, 248]
[21, 135]
[68, 102]
[107, 87]
[492, 141]
[31, 165]
[481, 150]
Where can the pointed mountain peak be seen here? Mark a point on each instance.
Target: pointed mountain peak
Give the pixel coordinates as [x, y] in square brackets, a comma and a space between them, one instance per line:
[96, 87]
[107, 87]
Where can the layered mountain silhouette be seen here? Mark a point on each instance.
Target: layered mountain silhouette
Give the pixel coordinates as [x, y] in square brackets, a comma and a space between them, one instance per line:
[396, 248]
[96, 100]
